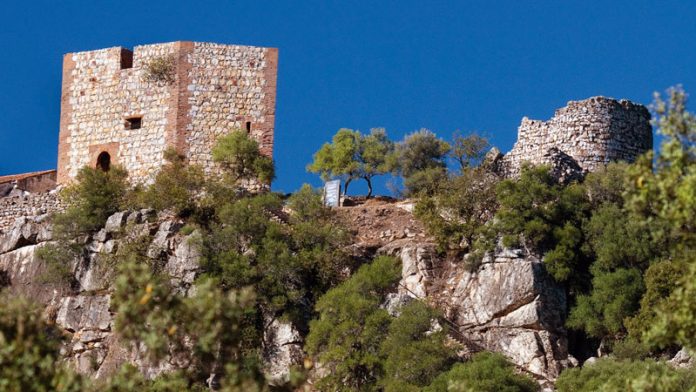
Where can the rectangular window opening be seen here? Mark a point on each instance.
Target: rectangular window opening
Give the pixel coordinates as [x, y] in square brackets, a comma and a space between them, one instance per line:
[126, 58]
[133, 123]
[248, 127]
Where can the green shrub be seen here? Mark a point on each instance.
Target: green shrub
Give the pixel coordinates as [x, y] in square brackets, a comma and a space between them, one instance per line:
[420, 158]
[207, 328]
[414, 353]
[456, 214]
[30, 350]
[94, 196]
[177, 186]
[239, 156]
[541, 215]
[485, 372]
[614, 297]
[347, 337]
[618, 376]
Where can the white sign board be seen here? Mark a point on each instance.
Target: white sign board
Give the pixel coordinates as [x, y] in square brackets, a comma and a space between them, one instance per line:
[332, 193]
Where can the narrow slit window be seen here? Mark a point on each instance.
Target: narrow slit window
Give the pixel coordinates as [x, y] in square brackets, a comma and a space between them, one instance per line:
[133, 123]
[248, 127]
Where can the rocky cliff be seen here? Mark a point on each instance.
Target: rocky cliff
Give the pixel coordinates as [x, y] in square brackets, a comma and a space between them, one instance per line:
[508, 304]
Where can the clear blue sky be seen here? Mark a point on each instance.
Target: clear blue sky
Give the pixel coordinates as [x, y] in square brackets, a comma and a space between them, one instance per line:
[402, 65]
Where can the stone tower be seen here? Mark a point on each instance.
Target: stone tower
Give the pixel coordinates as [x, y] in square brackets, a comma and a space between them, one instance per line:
[592, 133]
[127, 107]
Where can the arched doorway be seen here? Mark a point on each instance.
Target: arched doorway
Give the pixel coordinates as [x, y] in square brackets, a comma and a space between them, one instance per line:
[104, 161]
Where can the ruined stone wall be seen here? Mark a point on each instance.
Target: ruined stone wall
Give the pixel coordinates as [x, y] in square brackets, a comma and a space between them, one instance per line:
[213, 89]
[594, 132]
[27, 205]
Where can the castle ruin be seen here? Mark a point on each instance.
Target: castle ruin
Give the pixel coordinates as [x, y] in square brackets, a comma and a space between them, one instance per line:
[127, 107]
[122, 107]
[592, 133]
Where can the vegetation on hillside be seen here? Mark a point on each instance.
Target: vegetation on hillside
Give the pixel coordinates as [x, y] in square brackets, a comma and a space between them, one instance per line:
[621, 242]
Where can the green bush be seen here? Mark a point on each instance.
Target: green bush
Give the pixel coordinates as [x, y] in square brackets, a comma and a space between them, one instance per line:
[90, 200]
[618, 376]
[420, 158]
[177, 186]
[614, 297]
[485, 372]
[456, 214]
[30, 350]
[239, 155]
[206, 328]
[541, 215]
[347, 337]
[414, 353]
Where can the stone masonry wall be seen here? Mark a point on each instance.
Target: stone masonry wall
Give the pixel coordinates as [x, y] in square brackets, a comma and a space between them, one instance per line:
[233, 86]
[27, 205]
[594, 132]
[98, 96]
[214, 89]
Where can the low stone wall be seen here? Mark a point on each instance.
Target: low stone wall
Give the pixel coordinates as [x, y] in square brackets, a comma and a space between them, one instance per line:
[29, 204]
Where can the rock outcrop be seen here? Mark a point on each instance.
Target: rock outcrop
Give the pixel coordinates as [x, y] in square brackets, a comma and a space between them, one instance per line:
[508, 304]
[80, 302]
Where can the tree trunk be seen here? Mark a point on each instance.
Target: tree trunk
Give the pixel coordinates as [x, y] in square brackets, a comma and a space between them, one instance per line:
[369, 187]
[345, 187]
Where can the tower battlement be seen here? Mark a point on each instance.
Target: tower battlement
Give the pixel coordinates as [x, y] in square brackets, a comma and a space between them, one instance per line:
[127, 107]
[593, 132]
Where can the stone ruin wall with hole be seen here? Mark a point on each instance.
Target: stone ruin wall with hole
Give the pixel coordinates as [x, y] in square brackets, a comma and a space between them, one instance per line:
[593, 132]
[213, 90]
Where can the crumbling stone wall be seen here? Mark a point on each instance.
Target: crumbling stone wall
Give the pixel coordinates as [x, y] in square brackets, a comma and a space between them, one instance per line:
[26, 205]
[593, 132]
[211, 89]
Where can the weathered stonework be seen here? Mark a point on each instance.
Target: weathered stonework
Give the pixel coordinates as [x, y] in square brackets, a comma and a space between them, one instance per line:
[593, 132]
[26, 205]
[211, 90]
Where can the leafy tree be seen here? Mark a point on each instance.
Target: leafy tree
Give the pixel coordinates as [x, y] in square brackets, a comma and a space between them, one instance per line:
[485, 372]
[545, 217]
[346, 338]
[420, 158]
[614, 297]
[660, 280]
[622, 250]
[287, 264]
[352, 155]
[456, 214]
[90, 200]
[666, 199]
[414, 353]
[202, 333]
[618, 239]
[239, 155]
[468, 151]
[128, 378]
[30, 350]
[176, 185]
[611, 375]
